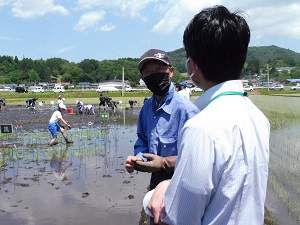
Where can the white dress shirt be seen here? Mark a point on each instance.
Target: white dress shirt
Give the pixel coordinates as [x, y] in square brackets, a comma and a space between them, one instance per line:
[222, 165]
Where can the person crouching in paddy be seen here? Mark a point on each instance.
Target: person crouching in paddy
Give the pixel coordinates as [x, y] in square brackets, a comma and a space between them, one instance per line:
[54, 124]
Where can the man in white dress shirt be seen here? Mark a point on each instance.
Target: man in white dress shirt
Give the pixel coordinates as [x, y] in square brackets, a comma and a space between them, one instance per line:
[223, 152]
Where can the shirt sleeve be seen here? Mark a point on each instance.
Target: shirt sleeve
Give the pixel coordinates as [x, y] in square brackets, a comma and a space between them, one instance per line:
[191, 187]
[141, 145]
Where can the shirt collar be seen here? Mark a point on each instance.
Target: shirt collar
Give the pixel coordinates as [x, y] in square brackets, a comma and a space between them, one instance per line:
[164, 103]
[232, 85]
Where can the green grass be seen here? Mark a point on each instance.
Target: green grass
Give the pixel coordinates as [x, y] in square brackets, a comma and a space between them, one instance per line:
[284, 92]
[87, 96]
[90, 96]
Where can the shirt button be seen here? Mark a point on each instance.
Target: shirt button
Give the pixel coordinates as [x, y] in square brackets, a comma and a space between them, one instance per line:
[165, 146]
[154, 117]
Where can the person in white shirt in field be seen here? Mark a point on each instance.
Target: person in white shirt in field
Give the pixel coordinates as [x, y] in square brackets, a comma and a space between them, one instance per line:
[185, 91]
[54, 125]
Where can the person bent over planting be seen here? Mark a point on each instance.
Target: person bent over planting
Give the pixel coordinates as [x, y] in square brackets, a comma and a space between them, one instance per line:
[54, 124]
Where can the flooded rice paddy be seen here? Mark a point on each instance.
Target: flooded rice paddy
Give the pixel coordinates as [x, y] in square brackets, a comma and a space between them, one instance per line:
[283, 194]
[82, 183]
[86, 182]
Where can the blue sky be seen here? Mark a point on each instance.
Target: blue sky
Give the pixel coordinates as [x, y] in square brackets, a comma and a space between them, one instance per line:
[110, 29]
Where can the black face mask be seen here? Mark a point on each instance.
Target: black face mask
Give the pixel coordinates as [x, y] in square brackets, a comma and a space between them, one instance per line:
[158, 83]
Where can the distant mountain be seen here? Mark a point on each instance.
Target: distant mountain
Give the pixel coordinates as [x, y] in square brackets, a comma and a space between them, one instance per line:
[262, 53]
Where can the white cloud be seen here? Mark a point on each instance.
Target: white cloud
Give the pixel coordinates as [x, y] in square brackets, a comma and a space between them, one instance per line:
[36, 8]
[270, 18]
[5, 2]
[88, 4]
[178, 14]
[89, 21]
[10, 38]
[275, 21]
[174, 14]
[130, 8]
[108, 27]
[64, 50]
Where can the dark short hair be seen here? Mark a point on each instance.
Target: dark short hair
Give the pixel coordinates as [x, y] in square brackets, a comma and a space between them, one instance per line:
[217, 40]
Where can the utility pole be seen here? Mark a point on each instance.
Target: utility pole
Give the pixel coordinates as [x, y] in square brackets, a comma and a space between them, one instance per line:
[123, 85]
[268, 77]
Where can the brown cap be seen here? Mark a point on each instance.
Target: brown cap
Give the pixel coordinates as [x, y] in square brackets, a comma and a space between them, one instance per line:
[153, 54]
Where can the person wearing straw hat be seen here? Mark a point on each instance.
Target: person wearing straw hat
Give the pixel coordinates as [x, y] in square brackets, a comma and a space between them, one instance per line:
[54, 125]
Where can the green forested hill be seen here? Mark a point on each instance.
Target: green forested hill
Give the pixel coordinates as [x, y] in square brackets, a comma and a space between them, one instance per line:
[26, 70]
[265, 54]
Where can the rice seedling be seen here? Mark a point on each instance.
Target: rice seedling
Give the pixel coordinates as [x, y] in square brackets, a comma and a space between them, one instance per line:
[284, 167]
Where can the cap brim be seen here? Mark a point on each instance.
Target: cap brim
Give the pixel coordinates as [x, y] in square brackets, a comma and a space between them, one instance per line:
[147, 59]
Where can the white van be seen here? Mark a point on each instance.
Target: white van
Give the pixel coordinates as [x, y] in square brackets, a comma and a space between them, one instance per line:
[60, 89]
[107, 89]
[38, 89]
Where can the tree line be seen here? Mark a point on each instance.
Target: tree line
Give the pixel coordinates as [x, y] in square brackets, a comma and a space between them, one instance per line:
[257, 61]
[53, 70]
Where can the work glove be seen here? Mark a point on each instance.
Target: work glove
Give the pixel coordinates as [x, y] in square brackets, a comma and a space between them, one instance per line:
[156, 163]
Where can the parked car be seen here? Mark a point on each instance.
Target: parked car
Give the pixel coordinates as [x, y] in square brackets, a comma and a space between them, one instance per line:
[38, 89]
[21, 89]
[6, 88]
[71, 86]
[195, 89]
[248, 88]
[107, 89]
[277, 87]
[296, 87]
[59, 89]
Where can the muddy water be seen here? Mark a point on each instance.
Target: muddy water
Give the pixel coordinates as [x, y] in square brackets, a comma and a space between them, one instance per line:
[95, 189]
[84, 183]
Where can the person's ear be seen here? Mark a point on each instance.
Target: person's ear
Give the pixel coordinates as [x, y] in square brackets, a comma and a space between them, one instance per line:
[171, 69]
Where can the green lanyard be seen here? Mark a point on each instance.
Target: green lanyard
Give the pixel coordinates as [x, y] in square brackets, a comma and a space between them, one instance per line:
[228, 93]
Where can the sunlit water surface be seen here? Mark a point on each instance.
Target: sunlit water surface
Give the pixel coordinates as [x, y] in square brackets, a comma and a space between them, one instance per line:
[83, 183]
[86, 183]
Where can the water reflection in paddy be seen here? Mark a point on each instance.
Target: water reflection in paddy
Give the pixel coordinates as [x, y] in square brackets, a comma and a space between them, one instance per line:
[97, 190]
[84, 183]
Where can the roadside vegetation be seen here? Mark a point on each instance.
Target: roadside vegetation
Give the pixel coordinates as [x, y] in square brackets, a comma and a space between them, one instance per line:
[90, 96]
